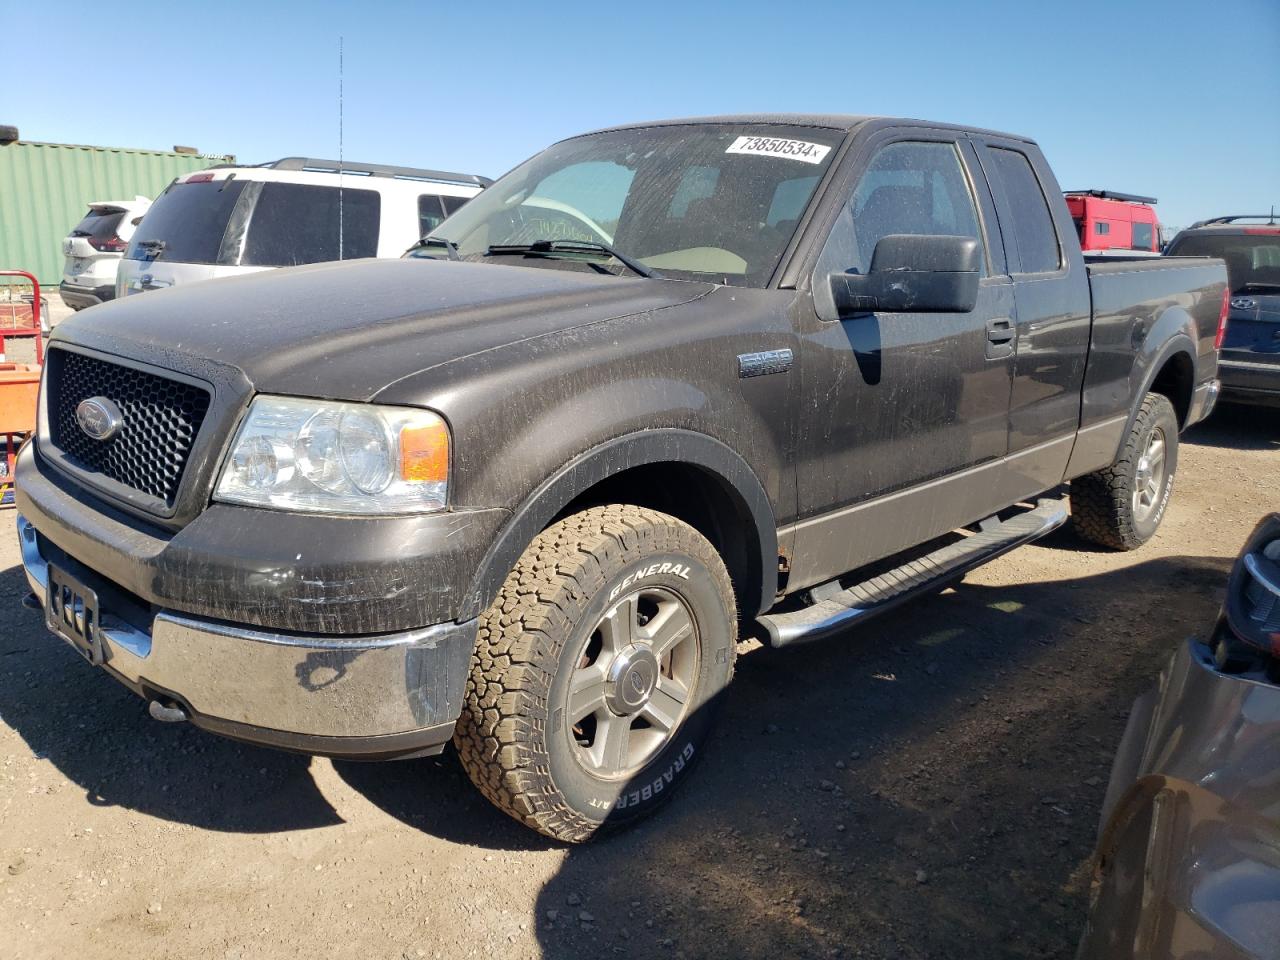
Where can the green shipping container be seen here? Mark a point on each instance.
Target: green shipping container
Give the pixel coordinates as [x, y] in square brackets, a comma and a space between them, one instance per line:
[46, 188]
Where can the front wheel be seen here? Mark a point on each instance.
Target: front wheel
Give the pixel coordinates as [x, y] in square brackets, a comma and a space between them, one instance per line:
[1121, 506]
[597, 671]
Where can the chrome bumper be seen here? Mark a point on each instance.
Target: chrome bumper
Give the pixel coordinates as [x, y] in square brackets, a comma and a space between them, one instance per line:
[1203, 400]
[368, 696]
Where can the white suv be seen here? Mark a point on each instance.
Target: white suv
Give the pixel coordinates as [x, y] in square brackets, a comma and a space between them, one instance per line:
[231, 220]
[93, 249]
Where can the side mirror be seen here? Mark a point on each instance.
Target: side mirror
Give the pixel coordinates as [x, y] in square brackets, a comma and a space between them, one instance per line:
[912, 273]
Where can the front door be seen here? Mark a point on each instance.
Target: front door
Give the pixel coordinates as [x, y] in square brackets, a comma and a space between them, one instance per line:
[894, 404]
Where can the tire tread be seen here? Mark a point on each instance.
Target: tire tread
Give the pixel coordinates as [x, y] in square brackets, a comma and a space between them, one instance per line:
[1101, 502]
[500, 733]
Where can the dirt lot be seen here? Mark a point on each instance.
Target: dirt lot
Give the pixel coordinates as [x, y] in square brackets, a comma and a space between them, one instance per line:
[926, 787]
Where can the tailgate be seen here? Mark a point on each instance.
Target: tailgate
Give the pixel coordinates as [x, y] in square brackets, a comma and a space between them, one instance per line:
[1253, 329]
[77, 247]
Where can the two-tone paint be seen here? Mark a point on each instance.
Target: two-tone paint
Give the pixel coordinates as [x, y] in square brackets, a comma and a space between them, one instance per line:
[566, 388]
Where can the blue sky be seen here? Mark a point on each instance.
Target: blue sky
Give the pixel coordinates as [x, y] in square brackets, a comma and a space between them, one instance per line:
[1180, 100]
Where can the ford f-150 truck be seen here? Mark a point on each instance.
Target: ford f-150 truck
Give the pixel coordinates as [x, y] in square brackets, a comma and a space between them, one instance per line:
[659, 385]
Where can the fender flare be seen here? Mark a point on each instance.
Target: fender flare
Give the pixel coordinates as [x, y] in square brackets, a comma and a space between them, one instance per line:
[1178, 343]
[608, 459]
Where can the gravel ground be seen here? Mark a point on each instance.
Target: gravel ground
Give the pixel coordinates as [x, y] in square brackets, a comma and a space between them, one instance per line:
[927, 786]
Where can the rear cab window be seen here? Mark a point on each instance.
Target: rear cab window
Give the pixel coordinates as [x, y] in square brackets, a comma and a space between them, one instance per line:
[1032, 239]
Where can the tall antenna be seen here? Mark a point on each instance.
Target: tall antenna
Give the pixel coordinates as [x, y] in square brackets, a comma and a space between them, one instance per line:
[341, 231]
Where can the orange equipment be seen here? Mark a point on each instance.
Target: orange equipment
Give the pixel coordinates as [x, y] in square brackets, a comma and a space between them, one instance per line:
[19, 382]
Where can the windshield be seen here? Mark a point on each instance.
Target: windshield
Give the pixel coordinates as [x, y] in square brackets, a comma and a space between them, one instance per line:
[696, 201]
[1253, 261]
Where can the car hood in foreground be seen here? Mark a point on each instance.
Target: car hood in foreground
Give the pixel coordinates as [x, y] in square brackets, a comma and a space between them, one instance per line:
[347, 330]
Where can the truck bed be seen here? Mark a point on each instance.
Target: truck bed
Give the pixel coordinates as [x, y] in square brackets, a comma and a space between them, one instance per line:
[1145, 303]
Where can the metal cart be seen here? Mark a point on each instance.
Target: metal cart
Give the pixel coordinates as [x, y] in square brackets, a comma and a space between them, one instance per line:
[20, 309]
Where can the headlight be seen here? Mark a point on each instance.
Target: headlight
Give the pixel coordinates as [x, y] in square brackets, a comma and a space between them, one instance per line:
[328, 457]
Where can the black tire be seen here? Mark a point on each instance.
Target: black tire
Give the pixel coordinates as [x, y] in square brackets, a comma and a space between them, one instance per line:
[1102, 503]
[511, 736]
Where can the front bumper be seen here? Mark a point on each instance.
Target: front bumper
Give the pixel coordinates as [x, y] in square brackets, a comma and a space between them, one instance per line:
[77, 297]
[372, 697]
[282, 572]
[1247, 381]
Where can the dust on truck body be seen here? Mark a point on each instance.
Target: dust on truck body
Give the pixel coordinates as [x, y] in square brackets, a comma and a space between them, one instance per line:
[660, 384]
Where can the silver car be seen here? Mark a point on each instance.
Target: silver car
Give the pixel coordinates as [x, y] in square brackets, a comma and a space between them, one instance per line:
[1188, 858]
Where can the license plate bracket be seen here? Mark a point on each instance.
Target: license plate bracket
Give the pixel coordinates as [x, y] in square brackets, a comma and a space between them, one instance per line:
[71, 611]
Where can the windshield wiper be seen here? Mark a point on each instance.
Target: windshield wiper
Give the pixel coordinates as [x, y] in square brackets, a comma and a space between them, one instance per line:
[548, 247]
[1259, 285]
[449, 245]
[152, 247]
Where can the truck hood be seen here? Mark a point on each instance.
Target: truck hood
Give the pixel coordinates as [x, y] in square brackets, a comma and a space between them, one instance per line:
[345, 331]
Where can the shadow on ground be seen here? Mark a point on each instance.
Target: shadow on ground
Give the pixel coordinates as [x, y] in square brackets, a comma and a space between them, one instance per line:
[1237, 427]
[927, 786]
[99, 735]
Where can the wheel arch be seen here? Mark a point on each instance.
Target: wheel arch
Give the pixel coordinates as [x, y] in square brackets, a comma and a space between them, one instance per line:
[1175, 378]
[1172, 373]
[690, 475]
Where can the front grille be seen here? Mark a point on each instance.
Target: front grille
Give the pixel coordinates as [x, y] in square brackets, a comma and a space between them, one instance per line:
[161, 418]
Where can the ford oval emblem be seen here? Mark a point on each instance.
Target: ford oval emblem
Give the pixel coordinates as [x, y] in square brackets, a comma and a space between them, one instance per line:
[99, 418]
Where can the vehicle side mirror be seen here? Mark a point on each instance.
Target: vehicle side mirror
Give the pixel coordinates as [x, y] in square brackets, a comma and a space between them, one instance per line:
[912, 273]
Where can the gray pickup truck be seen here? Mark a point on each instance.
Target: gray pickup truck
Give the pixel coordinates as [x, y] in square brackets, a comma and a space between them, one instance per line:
[660, 385]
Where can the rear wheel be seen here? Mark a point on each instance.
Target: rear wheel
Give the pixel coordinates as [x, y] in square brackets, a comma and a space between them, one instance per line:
[597, 671]
[1121, 506]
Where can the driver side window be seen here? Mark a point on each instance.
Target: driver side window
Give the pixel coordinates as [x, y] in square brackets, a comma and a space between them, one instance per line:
[911, 187]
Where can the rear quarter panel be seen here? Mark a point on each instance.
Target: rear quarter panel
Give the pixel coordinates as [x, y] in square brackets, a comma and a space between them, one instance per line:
[1142, 311]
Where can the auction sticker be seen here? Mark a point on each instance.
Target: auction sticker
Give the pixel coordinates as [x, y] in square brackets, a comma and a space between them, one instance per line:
[800, 150]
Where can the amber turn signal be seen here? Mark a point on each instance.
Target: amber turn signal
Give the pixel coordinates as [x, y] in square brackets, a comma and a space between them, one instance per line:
[424, 453]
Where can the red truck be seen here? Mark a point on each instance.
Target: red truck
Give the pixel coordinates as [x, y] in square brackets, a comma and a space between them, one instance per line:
[1110, 221]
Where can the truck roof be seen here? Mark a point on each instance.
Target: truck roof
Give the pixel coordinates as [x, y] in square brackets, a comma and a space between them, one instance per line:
[835, 121]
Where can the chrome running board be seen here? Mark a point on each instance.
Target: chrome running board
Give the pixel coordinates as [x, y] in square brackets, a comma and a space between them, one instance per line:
[885, 591]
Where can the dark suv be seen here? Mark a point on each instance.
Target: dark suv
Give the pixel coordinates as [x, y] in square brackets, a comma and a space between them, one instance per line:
[1250, 245]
